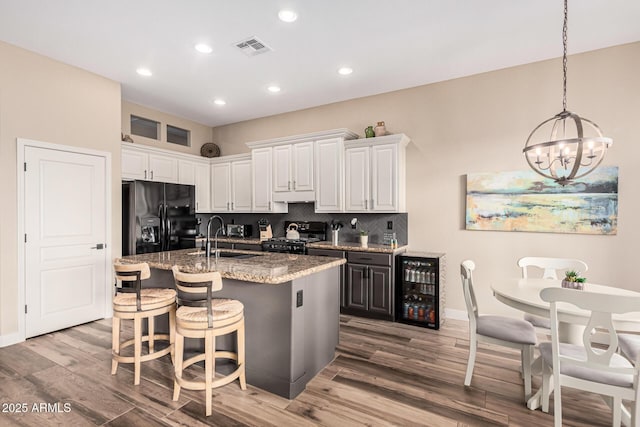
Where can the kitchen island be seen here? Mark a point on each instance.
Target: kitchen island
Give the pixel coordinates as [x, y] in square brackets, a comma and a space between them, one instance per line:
[291, 303]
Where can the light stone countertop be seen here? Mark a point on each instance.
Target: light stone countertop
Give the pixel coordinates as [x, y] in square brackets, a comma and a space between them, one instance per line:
[341, 246]
[355, 246]
[265, 267]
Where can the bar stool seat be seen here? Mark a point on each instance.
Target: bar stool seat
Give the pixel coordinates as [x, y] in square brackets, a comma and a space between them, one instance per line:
[201, 316]
[131, 302]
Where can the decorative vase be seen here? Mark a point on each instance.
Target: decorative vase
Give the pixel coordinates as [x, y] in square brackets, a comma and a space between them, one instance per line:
[369, 132]
[572, 285]
[364, 241]
[380, 130]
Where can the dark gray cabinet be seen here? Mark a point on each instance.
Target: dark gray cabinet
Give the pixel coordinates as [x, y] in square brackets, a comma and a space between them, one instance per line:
[368, 286]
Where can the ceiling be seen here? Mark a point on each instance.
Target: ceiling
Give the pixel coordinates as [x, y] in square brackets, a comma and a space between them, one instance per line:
[390, 45]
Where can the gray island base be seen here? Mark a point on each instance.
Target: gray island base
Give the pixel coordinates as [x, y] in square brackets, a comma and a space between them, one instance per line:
[291, 327]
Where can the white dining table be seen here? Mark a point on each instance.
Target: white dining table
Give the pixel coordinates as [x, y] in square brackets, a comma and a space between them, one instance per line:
[524, 295]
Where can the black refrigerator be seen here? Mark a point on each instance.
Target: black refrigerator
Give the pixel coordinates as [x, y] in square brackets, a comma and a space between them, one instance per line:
[157, 217]
[420, 289]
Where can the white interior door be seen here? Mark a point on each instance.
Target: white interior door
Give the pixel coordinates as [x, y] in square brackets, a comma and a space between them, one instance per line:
[65, 223]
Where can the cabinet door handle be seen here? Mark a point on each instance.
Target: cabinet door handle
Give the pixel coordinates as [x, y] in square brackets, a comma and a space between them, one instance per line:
[269, 204]
[289, 185]
[196, 205]
[227, 205]
[145, 174]
[231, 205]
[151, 174]
[294, 185]
[366, 204]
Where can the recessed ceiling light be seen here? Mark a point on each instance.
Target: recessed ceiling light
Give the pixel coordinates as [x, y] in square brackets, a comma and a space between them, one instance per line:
[220, 102]
[274, 89]
[144, 72]
[203, 48]
[345, 71]
[286, 15]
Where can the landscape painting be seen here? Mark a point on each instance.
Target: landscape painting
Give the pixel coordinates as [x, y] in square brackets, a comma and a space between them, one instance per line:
[525, 201]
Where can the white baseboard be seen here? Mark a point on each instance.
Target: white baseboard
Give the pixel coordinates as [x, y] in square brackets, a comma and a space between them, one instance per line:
[10, 339]
[450, 313]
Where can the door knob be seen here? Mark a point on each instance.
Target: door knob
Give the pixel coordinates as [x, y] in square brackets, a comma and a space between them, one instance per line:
[98, 246]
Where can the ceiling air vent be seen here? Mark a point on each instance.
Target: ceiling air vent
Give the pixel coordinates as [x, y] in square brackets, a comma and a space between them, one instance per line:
[252, 46]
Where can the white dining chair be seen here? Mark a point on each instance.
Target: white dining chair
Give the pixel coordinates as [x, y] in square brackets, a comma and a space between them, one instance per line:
[630, 347]
[500, 330]
[589, 366]
[550, 268]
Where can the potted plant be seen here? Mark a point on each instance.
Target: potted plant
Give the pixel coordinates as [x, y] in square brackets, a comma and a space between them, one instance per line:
[572, 280]
[364, 238]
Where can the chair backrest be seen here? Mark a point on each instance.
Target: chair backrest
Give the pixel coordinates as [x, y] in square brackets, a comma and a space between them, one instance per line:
[466, 274]
[124, 271]
[131, 277]
[551, 266]
[601, 306]
[195, 289]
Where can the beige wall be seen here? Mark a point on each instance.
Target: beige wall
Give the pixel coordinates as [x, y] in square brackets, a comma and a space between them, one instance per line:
[200, 134]
[48, 101]
[473, 124]
[480, 124]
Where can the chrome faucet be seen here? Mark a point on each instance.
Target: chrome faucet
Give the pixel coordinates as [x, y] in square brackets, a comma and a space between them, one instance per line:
[207, 245]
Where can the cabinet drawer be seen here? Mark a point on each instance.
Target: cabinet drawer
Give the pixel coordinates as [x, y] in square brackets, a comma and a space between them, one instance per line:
[369, 258]
[325, 252]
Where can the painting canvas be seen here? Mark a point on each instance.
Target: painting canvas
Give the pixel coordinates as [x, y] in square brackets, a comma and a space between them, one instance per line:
[525, 201]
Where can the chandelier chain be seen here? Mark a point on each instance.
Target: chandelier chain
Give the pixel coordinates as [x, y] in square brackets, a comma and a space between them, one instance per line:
[564, 58]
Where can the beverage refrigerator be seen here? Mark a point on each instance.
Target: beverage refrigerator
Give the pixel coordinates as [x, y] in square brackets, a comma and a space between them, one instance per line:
[420, 286]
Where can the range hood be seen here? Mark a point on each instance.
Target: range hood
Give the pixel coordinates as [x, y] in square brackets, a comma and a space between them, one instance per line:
[294, 196]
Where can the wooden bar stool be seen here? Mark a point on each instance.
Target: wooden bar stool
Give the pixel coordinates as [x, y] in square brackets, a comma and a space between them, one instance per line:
[201, 316]
[133, 302]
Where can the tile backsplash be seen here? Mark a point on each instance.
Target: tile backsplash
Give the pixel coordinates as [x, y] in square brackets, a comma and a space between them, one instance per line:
[375, 223]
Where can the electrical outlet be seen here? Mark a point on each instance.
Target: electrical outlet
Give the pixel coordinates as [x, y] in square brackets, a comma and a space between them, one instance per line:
[389, 225]
[299, 298]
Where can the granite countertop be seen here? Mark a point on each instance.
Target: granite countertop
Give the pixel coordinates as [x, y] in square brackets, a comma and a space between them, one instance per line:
[341, 246]
[264, 267]
[247, 240]
[355, 246]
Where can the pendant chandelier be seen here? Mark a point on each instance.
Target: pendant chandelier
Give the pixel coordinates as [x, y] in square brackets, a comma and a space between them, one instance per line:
[565, 147]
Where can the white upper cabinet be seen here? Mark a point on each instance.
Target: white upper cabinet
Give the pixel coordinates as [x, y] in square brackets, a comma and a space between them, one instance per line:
[302, 167]
[143, 164]
[329, 168]
[231, 184]
[282, 160]
[261, 168]
[198, 174]
[163, 168]
[221, 187]
[135, 164]
[241, 185]
[358, 179]
[375, 179]
[293, 171]
[294, 165]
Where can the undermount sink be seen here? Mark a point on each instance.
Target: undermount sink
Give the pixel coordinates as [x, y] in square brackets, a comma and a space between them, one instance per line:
[227, 254]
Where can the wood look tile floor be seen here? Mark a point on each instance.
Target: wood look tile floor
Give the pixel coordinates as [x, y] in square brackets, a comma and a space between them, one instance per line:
[384, 374]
